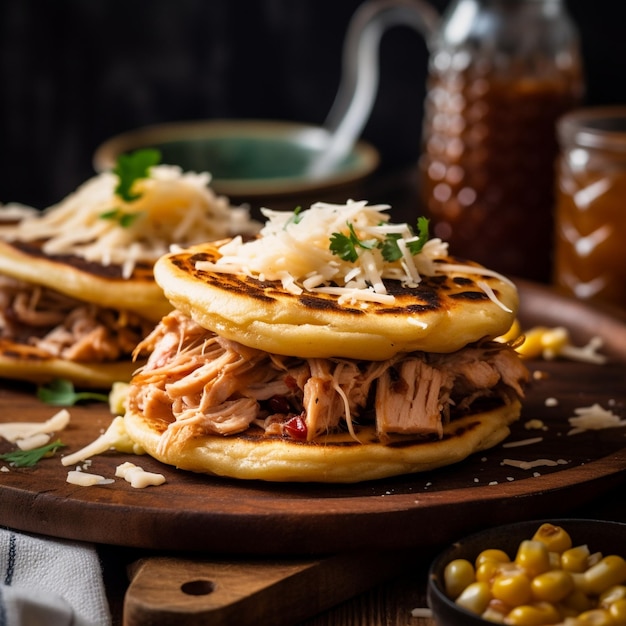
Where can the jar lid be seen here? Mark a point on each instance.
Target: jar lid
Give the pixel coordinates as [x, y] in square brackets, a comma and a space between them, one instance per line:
[595, 127]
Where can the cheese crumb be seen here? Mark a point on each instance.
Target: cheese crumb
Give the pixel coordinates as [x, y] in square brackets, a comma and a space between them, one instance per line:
[85, 479]
[12, 431]
[34, 441]
[533, 464]
[137, 476]
[594, 417]
[522, 442]
[114, 438]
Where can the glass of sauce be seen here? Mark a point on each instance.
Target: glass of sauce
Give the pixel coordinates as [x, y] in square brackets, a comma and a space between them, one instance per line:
[590, 232]
[501, 73]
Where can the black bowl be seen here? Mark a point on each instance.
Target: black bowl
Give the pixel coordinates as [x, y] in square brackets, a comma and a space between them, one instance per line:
[600, 536]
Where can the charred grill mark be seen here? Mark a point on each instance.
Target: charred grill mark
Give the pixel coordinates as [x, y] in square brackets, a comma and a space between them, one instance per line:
[143, 271]
[408, 441]
[200, 256]
[434, 293]
[322, 303]
[471, 296]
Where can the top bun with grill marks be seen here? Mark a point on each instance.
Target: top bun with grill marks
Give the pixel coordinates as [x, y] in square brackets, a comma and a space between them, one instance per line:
[338, 281]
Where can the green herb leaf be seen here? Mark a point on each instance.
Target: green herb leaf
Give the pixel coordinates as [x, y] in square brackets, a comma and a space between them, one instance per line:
[342, 246]
[415, 247]
[61, 392]
[122, 218]
[132, 167]
[28, 458]
[345, 246]
[390, 249]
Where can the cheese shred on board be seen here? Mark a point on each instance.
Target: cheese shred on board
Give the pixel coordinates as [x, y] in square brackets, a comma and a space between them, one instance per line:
[345, 250]
[94, 223]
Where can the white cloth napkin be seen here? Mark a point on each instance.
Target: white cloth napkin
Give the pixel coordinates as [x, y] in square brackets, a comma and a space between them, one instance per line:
[50, 582]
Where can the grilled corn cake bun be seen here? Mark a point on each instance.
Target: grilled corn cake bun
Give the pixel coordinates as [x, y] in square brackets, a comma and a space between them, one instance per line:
[334, 347]
[77, 288]
[250, 291]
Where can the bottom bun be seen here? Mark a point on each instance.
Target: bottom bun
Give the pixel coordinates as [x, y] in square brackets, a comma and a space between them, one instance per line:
[28, 364]
[335, 458]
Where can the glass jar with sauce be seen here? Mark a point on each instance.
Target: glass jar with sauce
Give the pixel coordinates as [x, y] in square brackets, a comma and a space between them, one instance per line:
[590, 233]
[501, 72]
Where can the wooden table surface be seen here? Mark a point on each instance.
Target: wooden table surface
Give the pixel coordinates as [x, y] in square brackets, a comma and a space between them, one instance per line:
[387, 603]
[372, 585]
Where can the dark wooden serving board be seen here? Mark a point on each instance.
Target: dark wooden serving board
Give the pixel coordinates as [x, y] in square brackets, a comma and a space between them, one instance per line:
[204, 514]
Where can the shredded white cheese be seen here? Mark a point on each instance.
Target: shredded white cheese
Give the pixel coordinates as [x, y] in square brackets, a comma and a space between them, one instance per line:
[174, 207]
[13, 431]
[532, 464]
[594, 417]
[522, 442]
[137, 476]
[114, 438]
[85, 479]
[294, 248]
[34, 441]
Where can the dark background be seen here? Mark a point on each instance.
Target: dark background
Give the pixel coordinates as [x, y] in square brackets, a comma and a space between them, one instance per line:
[75, 72]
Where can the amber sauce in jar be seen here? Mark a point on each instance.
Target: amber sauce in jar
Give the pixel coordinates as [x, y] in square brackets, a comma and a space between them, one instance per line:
[590, 234]
[487, 168]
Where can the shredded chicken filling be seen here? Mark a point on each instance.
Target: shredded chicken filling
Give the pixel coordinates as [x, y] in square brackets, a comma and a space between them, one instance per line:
[197, 383]
[62, 327]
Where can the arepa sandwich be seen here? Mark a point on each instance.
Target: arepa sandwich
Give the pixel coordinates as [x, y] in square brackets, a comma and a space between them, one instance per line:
[77, 289]
[334, 347]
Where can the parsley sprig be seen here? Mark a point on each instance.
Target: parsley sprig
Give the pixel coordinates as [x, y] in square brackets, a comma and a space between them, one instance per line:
[129, 169]
[133, 167]
[60, 392]
[28, 458]
[346, 246]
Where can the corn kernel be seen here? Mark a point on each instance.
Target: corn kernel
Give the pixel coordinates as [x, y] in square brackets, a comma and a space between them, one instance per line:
[475, 598]
[492, 554]
[494, 616]
[512, 334]
[595, 617]
[487, 571]
[533, 557]
[575, 559]
[555, 538]
[457, 575]
[555, 560]
[613, 594]
[617, 611]
[553, 341]
[512, 589]
[537, 614]
[610, 571]
[532, 347]
[577, 601]
[552, 586]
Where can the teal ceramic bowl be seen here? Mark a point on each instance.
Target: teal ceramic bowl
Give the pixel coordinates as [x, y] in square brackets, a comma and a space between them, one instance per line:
[246, 158]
